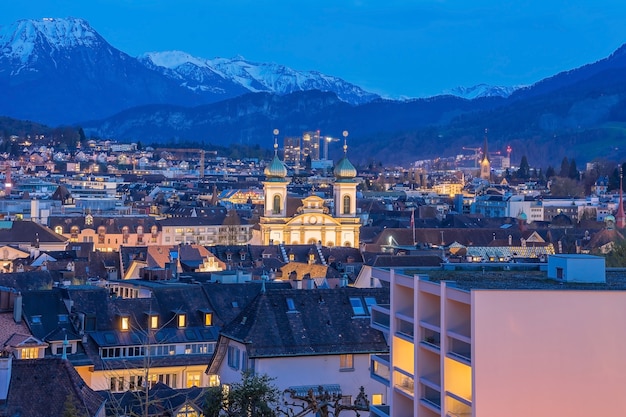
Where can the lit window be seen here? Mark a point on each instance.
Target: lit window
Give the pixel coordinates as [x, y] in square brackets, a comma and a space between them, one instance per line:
[208, 319]
[182, 320]
[187, 411]
[346, 362]
[214, 380]
[58, 230]
[30, 353]
[377, 399]
[193, 379]
[276, 208]
[346, 204]
[125, 323]
[154, 322]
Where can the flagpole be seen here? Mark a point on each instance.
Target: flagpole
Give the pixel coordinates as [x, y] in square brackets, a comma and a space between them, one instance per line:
[413, 224]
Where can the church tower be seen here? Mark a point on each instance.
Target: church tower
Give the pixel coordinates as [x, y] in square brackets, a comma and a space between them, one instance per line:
[275, 185]
[485, 164]
[344, 190]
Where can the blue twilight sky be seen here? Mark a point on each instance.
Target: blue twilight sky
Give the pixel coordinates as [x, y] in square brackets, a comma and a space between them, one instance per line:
[397, 48]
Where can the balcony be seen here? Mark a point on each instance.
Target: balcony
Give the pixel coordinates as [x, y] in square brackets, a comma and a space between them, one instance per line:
[404, 383]
[381, 410]
[380, 318]
[405, 328]
[460, 350]
[380, 368]
[431, 339]
[457, 406]
[431, 398]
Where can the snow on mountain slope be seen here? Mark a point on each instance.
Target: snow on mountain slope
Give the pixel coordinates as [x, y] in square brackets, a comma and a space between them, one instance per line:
[482, 90]
[23, 38]
[254, 77]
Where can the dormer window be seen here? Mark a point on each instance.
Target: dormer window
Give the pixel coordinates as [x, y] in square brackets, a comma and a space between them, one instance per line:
[154, 321]
[89, 220]
[58, 230]
[181, 320]
[125, 323]
[292, 257]
[208, 319]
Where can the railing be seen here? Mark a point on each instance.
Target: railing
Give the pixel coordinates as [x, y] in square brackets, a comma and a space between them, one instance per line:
[380, 318]
[460, 350]
[405, 384]
[431, 338]
[380, 370]
[405, 328]
[381, 410]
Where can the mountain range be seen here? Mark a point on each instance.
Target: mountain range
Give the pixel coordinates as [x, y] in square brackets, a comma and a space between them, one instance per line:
[61, 71]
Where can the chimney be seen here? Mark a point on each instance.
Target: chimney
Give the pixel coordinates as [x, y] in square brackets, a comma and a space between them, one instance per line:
[308, 283]
[17, 308]
[5, 375]
[343, 281]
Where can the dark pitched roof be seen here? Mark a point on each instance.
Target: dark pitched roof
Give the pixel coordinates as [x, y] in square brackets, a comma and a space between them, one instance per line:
[162, 400]
[228, 300]
[322, 323]
[47, 316]
[40, 387]
[26, 232]
[33, 280]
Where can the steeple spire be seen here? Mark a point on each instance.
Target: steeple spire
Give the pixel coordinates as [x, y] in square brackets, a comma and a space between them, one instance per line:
[485, 148]
[620, 217]
[485, 164]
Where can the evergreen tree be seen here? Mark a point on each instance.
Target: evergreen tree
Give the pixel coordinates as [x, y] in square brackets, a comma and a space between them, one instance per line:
[524, 169]
[81, 136]
[573, 171]
[254, 396]
[564, 172]
[69, 408]
[616, 258]
[550, 172]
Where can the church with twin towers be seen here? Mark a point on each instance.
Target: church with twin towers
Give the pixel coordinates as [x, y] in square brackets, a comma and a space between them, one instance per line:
[313, 222]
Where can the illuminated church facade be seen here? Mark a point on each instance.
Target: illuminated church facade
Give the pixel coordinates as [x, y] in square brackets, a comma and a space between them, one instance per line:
[313, 222]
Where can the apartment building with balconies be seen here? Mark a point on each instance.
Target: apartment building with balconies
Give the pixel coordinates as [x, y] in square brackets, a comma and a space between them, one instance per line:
[518, 344]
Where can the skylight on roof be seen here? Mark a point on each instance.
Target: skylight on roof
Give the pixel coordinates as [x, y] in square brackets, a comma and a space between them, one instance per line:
[357, 306]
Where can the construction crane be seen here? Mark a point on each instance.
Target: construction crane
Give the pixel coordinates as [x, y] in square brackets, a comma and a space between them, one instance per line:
[327, 140]
[192, 152]
[477, 152]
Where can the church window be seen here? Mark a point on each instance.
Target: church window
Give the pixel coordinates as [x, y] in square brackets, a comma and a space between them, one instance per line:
[276, 208]
[346, 204]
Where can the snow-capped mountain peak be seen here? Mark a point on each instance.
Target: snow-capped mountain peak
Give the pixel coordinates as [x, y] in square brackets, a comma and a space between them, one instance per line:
[21, 39]
[482, 90]
[254, 77]
[173, 59]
